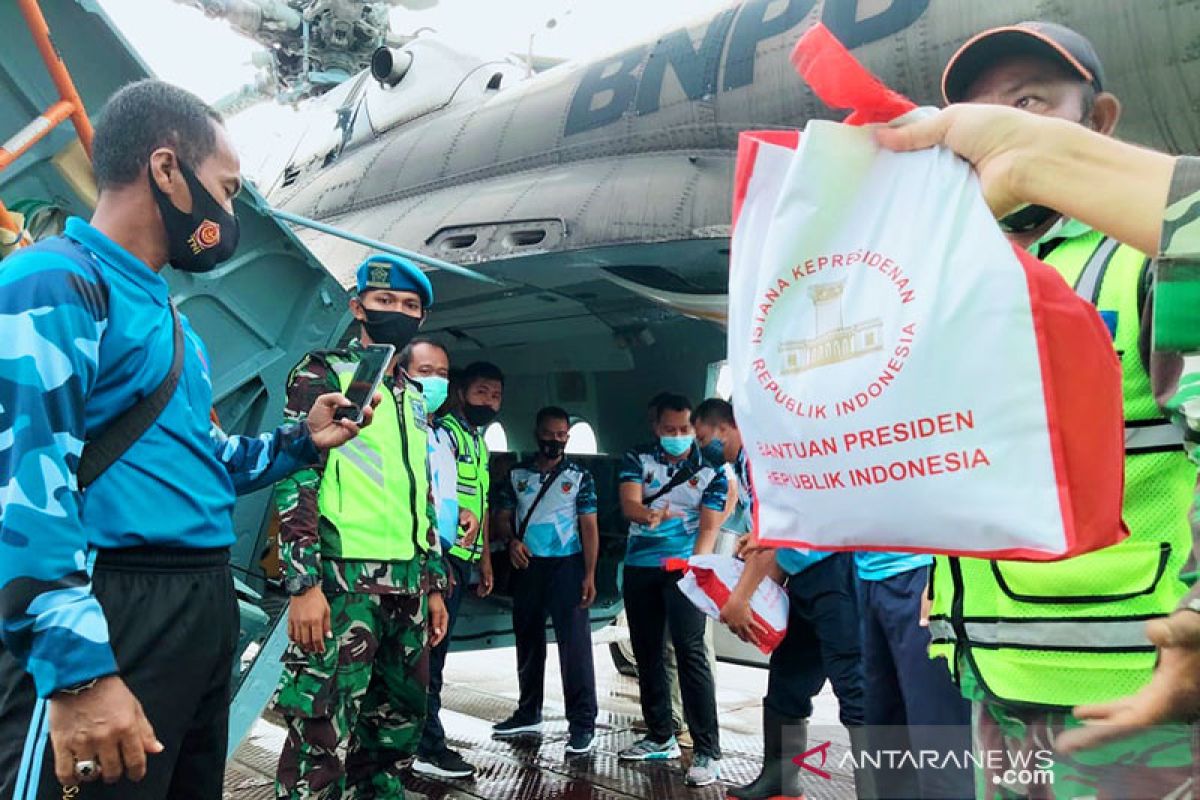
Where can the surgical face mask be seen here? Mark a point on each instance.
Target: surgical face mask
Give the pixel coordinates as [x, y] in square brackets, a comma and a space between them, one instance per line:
[479, 415]
[434, 389]
[199, 240]
[676, 445]
[551, 448]
[391, 327]
[714, 451]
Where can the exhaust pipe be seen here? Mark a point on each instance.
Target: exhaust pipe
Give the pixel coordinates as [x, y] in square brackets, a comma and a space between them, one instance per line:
[389, 66]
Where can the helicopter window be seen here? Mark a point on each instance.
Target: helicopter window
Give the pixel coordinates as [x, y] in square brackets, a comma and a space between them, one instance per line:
[495, 438]
[724, 382]
[583, 439]
[494, 83]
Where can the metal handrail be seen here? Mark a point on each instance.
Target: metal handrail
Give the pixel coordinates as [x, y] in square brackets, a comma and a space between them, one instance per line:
[68, 106]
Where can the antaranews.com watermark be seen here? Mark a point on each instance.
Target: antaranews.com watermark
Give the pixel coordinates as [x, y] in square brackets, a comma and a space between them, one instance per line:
[944, 763]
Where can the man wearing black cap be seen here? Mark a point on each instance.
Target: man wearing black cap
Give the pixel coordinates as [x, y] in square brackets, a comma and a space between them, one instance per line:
[1029, 641]
[362, 563]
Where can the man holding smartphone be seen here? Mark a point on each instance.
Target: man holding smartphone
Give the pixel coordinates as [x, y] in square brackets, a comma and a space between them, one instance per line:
[358, 541]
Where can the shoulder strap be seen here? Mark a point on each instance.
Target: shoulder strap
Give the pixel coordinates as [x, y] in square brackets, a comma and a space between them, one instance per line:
[103, 451]
[680, 478]
[1092, 276]
[546, 484]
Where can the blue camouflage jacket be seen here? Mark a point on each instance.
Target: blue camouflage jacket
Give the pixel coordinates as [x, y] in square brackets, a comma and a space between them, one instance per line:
[80, 342]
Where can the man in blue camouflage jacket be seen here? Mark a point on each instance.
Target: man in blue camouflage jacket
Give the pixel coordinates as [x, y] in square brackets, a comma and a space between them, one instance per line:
[118, 620]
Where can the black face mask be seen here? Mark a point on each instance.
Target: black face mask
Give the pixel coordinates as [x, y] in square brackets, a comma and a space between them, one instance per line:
[1027, 219]
[391, 327]
[199, 240]
[551, 448]
[479, 415]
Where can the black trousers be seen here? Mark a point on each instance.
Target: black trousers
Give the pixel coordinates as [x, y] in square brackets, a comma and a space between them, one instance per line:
[823, 641]
[173, 624]
[433, 737]
[655, 607]
[552, 587]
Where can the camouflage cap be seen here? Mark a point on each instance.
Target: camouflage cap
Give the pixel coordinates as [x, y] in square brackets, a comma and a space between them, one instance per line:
[385, 271]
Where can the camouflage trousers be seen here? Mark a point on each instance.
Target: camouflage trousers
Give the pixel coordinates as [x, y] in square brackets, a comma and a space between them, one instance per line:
[1019, 762]
[364, 697]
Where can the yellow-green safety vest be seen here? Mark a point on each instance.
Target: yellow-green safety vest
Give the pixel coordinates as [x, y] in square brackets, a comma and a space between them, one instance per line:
[1073, 631]
[375, 488]
[474, 481]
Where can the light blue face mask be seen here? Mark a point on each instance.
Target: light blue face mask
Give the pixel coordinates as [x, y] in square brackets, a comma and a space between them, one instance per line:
[676, 445]
[434, 390]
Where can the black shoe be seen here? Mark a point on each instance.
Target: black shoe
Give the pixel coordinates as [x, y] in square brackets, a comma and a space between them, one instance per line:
[783, 739]
[515, 727]
[581, 742]
[447, 764]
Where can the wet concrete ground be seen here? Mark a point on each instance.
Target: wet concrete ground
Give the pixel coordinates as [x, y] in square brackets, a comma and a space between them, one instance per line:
[481, 689]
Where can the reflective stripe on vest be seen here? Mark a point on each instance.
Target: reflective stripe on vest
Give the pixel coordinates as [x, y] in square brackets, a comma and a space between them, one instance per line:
[1141, 436]
[474, 481]
[1050, 635]
[1070, 632]
[374, 490]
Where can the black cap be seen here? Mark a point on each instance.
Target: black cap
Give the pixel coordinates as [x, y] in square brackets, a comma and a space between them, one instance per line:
[1045, 39]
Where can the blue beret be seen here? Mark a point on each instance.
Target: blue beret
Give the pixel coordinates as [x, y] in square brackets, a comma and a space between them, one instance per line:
[385, 271]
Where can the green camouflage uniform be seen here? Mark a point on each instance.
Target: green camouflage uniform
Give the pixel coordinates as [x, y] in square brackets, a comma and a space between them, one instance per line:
[1160, 762]
[365, 695]
[1019, 761]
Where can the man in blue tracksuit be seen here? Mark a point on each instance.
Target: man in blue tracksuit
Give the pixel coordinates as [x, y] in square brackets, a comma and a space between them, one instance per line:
[118, 619]
[548, 516]
[910, 702]
[822, 641]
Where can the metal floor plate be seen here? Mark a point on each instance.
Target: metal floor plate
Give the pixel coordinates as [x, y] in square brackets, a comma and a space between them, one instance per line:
[480, 692]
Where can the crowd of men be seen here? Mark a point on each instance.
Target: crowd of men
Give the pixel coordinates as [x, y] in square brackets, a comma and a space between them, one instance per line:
[118, 613]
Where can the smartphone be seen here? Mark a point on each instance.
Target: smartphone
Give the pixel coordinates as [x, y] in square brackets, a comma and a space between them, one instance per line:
[372, 366]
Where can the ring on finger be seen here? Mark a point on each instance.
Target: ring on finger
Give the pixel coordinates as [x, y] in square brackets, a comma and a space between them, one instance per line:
[87, 769]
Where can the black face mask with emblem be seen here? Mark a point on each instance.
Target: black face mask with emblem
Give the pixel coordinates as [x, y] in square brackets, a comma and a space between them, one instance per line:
[200, 239]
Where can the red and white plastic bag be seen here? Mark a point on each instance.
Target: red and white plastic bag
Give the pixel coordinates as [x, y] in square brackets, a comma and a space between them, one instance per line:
[904, 378]
[709, 580]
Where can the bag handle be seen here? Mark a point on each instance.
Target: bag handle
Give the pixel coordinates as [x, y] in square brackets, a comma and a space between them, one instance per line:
[840, 81]
[103, 451]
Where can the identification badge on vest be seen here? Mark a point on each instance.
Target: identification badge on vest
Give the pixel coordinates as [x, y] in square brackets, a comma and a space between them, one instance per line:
[1110, 321]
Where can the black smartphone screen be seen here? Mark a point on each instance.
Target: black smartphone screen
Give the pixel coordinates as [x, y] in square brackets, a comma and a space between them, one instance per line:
[372, 365]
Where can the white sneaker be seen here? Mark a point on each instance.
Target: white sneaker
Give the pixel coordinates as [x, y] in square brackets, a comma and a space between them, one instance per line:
[705, 770]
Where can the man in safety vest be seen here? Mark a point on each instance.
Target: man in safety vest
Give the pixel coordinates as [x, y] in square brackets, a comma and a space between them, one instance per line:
[475, 398]
[358, 542]
[1028, 641]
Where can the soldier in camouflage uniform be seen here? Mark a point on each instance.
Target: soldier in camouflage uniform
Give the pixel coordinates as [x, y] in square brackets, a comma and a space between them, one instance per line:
[1000, 143]
[360, 530]
[1027, 642]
